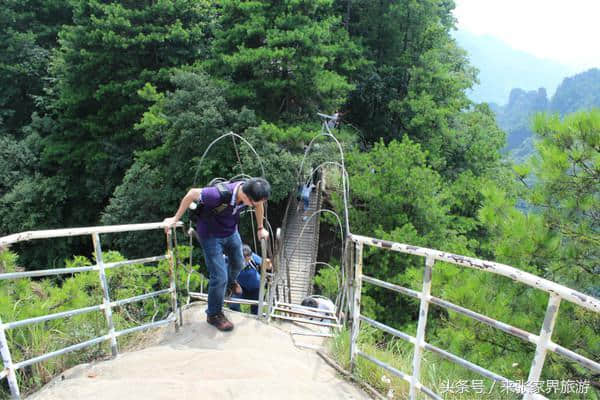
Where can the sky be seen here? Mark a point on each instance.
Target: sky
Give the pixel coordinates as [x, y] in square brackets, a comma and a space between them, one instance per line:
[565, 31]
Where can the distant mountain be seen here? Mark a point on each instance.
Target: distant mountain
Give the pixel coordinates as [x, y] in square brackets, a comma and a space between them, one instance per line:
[575, 93]
[502, 68]
[579, 92]
[515, 117]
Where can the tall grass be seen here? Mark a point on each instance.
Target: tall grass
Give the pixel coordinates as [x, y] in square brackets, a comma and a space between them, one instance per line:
[447, 379]
[26, 298]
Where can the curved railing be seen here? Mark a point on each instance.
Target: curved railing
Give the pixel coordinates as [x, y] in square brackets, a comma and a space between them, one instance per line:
[107, 305]
[542, 341]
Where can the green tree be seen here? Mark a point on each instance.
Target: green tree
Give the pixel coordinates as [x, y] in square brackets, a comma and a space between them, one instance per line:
[183, 122]
[566, 192]
[107, 55]
[556, 238]
[16, 161]
[392, 186]
[36, 202]
[415, 85]
[412, 55]
[28, 33]
[284, 59]
[468, 158]
[395, 195]
[29, 200]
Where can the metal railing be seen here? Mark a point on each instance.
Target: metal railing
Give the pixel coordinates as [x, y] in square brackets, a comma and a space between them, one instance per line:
[10, 367]
[542, 341]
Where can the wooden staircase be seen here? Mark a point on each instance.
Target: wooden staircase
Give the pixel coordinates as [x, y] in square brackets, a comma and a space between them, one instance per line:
[301, 242]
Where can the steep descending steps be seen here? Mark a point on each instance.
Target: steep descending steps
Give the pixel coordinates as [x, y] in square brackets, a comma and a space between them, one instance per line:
[254, 361]
[300, 247]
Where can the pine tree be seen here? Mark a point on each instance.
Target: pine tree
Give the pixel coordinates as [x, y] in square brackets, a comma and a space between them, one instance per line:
[284, 59]
[107, 55]
[554, 236]
[566, 191]
[28, 33]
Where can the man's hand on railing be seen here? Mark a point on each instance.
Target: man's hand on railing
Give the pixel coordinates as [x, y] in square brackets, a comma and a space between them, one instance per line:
[169, 223]
[262, 234]
[268, 264]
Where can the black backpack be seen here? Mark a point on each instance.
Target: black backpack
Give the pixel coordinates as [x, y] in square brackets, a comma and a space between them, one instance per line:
[225, 198]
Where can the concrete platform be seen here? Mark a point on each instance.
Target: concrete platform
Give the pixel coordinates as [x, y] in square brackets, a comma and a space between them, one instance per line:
[254, 361]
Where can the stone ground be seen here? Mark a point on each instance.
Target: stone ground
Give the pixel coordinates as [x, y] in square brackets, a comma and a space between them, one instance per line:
[254, 361]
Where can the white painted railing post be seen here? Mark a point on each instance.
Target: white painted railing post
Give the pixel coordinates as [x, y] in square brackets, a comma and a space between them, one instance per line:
[8, 365]
[420, 342]
[542, 345]
[172, 276]
[263, 277]
[105, 294]
[356, 304]
[346, 286]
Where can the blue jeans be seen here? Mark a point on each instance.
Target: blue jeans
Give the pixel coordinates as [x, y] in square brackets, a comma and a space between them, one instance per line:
[306, 201]
[220, 274]
[248, 295]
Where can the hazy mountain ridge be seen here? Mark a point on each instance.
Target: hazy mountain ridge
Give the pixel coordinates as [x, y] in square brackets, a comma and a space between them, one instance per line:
[502, 68]
[579, 92]
[531, 85]
[575, 93]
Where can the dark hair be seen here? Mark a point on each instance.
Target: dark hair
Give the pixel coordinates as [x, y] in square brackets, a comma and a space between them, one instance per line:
[257, 189]
[246, 250]
[309, 302]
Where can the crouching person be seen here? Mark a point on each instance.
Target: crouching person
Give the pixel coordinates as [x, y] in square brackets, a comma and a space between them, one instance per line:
[320, 303]
[249, 278]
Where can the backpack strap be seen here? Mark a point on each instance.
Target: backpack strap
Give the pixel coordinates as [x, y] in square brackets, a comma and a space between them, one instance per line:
[225, 195]
[252, 264]
[224, 199]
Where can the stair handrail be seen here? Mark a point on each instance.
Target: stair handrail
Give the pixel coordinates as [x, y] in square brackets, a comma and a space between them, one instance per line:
[10, 367]
[542, 341]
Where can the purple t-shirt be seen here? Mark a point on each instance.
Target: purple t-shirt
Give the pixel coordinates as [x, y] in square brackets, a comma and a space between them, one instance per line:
[225, 223]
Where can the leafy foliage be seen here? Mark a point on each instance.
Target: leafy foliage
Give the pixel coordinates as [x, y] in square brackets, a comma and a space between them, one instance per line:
[105, 57]
[567, 191]
[557, 237]
[184, 122]
[25, 298]
[392, 186]
[284, 59]
[414, 63]
[397, 196]
[16, 160]
[28, 33]
[108, 107]
[329, 281]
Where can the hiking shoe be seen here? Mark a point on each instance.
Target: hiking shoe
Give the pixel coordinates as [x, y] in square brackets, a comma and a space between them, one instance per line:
[234, 288]
[220, 322]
